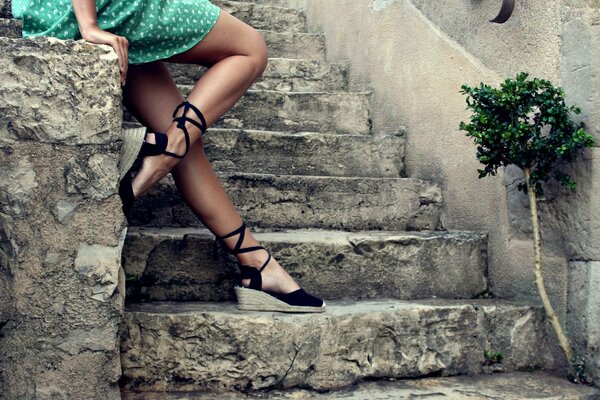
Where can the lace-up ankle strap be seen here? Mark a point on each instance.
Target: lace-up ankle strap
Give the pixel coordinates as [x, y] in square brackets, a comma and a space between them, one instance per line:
[181, 120]
[237, 248]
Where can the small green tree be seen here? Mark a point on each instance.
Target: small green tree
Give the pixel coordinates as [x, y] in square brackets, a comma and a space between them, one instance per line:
[527, 123]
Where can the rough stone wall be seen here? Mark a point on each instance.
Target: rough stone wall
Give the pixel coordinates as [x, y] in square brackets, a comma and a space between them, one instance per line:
[584, 318]
[5, 9]
[61, 226]
[415, 55]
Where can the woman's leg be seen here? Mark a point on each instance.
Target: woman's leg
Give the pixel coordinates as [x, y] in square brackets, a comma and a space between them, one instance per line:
[237, 55]
[150, 95]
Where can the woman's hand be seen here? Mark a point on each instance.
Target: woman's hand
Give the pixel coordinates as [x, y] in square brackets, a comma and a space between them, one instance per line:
[121, 45]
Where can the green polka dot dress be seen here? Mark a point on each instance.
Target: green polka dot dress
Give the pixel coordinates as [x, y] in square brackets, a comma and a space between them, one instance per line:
[155, 29]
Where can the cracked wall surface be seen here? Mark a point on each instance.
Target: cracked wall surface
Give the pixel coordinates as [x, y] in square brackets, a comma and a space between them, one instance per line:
[61, 226]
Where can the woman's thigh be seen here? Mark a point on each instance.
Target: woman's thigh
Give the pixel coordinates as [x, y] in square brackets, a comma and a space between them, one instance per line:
[229, 37]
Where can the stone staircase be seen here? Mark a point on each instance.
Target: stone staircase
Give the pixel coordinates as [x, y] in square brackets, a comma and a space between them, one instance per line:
[330, 199]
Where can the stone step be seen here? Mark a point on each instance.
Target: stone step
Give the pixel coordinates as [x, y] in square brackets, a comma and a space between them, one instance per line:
[341, 113]
[281, 45]
[265, 17]
[295, 201]
[174, 346]
[277, 3]
[10, 28]
[296, 45]
[186, 264]
[283, 74]
[308, 153]
[535, 385]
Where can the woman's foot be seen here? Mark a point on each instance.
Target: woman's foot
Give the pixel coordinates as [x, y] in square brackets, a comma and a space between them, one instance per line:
[274, 277]
[265, 286]
[171, 148]
[154, 168]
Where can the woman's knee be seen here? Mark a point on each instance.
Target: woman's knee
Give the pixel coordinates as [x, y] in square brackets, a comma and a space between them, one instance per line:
[259, 53]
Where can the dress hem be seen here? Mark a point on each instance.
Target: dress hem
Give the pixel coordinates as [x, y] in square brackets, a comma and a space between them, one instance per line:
[184, 48]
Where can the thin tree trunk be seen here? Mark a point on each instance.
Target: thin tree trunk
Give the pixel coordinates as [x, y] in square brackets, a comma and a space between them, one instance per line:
[563, 341]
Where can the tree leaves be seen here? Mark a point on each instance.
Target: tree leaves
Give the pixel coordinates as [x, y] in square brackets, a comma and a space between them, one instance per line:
[524, 123]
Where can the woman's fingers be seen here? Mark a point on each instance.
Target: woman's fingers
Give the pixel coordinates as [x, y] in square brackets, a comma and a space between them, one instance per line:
[119, 43]
[121, 49]
[125, 57]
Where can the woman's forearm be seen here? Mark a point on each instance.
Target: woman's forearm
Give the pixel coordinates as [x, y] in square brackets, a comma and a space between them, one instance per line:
[85, 12]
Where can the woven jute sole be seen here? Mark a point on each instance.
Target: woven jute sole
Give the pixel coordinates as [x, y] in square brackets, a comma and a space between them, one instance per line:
[133, 138]
[255, 300]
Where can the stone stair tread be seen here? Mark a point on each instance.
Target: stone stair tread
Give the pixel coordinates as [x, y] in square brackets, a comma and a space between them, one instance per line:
[304, 201]
[265, 16]
[313, 235]
[181, 263]
[297, 45]
[540, 385]
[334, 308]
[306, 153]
[214, 346]
[283, 74]
[129, 123]
[187, 88]
[341, 112]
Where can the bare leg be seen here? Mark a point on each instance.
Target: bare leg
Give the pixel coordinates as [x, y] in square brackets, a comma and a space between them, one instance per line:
[237, 55]
[151, 95]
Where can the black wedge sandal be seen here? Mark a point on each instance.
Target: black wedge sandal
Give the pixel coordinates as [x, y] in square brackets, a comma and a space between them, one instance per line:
[131, 141]
[254, 298]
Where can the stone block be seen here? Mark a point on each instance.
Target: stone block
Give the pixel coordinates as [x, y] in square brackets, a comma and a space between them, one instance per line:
[342, 113]
[182, 264]
[42, 75]
[100, 264]
[92, 177]
[266, 17]
[308, 153]
[202, 346]
[295, 45]
[339, 113]
[295, 201]
[583, 316]
[283, 74]
[62, 294]
[570, 219]
[316, 154]
[580, 73]
[506, 386]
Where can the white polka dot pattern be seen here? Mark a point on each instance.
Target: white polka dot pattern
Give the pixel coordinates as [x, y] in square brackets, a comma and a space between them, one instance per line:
[155, 29]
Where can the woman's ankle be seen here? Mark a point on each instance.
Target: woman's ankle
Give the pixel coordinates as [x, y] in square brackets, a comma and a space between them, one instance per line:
[254, 259]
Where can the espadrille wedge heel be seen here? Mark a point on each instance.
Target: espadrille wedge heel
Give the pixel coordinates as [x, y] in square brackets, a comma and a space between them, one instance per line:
[254, 298]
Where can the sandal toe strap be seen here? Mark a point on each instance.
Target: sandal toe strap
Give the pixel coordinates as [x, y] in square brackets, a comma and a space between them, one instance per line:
[155, 149]
[248, 272]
